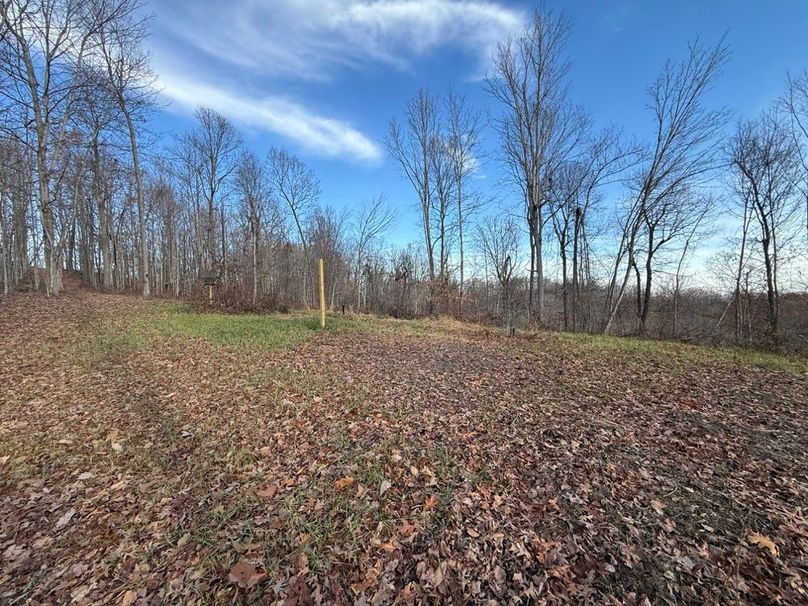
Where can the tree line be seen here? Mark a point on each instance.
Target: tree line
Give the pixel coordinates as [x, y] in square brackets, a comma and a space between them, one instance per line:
[604, 238]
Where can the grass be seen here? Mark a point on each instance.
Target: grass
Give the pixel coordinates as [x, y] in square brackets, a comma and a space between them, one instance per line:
[159, 321]
[278, 332]
[632, 347]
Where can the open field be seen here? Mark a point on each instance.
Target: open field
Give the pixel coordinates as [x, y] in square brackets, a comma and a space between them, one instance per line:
[151, 455]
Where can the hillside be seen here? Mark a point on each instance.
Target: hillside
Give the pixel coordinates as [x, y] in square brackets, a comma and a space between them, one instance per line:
[149, 454]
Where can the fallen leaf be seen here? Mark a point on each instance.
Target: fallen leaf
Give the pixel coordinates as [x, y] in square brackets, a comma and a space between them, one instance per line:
[657, 506]
[128, 598]
[267, 492]
[87, 475]
[79, 593]
[343, 483]
[472, 533]
[245, 575]
[385, 486]
[302, 562]
[763, 542]
[65, 519]
[430, 502]
[406, 528]
[439, 574]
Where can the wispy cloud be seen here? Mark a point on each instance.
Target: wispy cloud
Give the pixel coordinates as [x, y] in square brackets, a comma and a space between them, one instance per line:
[316, 134]
[214, 53]
[313, 38]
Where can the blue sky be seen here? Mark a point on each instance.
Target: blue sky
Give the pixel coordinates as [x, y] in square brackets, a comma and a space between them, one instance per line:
[323, 78]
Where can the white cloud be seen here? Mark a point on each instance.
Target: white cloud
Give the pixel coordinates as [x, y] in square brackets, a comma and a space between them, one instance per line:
[312, 38]
[317, 134]
[256, 43]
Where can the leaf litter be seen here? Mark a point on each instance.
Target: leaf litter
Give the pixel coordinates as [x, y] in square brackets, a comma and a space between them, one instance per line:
[387, 467]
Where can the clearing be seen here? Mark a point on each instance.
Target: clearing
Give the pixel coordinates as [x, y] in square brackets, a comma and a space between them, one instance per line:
[153, 455]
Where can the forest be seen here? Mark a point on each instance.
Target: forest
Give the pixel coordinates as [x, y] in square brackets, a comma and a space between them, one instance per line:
[603, 238]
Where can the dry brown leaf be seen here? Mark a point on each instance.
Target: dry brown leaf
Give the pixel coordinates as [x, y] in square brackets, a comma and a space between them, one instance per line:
[65, 519]
[267, 492]
[128, 598]
[763, 542]
[406, 528]
[439, 574]
[302, 562]
[343, 483]
[245, 574]
[430, 502]
[657, 506]
[385, 486]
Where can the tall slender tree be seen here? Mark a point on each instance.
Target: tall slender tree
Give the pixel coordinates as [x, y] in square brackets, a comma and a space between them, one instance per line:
[683, 155]
[130, 79]
[539, 128]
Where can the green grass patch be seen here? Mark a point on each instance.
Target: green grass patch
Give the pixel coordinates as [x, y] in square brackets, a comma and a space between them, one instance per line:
[681, 352]
[264, 331]
[157, 321]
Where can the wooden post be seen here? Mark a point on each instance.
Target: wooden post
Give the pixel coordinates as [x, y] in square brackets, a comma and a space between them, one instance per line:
[322, 294]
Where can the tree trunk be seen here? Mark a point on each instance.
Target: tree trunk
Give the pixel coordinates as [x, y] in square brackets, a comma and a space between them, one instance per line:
[564, 282]
[460, 234]
[771, 290]
[145, 278]
[255, 262]
[539, 267]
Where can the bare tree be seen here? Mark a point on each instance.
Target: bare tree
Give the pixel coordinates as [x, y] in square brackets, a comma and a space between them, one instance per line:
[411, 145]
[296, 186]
[443, 198]
[498, 238]
[16, 190]
[691, 238]
[130, 79]
[796, 103]
[253, 192]
[573, 194]
[767, 166]
[539, 129]
[682, 156]
[462, 143]
[372, 220]
[326, 234]
[217, 145]
[98, 117]
[43, 49]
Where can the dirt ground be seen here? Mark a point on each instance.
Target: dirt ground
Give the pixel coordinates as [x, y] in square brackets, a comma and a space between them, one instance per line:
[390, 462]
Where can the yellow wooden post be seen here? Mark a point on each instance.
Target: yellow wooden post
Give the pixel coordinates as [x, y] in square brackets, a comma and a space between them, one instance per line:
[322, 294]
